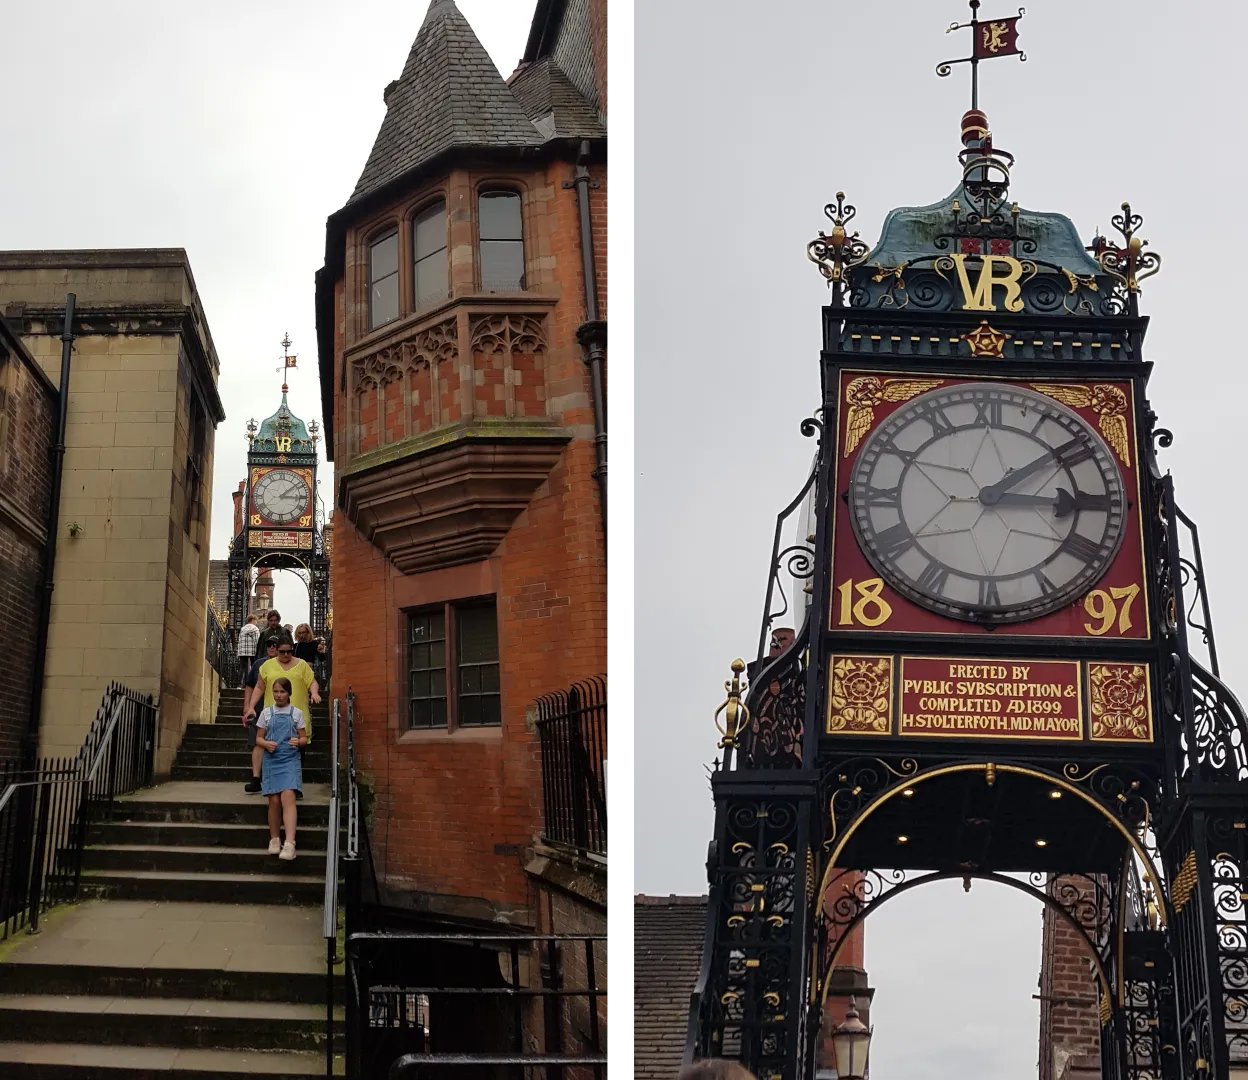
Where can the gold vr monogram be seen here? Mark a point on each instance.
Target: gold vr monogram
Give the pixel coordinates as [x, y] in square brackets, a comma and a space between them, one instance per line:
[284, 441]
[980, 297]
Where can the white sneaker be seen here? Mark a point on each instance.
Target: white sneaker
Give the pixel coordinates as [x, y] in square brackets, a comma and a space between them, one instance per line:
[288, 850]
[275, 845]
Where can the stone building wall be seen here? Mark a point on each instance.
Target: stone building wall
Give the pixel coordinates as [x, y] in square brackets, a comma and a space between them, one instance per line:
[131, 586]
[28, 418]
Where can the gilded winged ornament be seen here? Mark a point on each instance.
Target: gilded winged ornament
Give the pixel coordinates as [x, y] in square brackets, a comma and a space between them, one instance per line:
[1108, 402]
[865, 392]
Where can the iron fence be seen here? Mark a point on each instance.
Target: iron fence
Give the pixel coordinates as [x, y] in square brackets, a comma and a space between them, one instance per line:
[219, 650]
[449, 1006]
[572, 731]
[47, 810]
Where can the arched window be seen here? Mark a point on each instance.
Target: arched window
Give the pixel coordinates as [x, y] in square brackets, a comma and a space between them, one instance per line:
[429, 256]
[383, 280]
[502, 241]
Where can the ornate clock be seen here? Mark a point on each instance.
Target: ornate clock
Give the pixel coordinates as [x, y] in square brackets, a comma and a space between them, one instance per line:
[987, 502]
[282, 496]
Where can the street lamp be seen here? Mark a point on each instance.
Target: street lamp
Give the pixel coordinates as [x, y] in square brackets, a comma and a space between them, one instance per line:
[851, 1042]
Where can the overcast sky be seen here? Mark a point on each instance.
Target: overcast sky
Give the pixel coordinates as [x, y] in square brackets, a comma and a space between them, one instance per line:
[230, 129]
[749, 118]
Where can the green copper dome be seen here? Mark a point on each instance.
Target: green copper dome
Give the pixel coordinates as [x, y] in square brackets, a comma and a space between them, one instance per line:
[283, 425]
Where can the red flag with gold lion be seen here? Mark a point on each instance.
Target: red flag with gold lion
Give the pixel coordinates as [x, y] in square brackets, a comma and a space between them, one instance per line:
[996, 38]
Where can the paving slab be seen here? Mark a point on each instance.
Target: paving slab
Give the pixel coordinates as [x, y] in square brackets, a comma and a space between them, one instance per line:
[141, 934]
[106, 1058]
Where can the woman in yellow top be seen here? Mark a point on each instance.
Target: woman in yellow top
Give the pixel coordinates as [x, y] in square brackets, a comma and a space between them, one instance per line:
[303, 684]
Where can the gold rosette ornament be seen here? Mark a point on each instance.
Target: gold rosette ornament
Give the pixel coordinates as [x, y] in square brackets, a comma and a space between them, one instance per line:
[865, 392]
[1108, 402]
[1120, 702]
[862, 691]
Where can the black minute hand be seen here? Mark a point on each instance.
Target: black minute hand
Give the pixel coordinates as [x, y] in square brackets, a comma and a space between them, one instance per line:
[991, 495]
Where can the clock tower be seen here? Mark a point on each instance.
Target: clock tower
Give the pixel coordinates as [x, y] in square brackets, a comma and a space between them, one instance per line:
[283, 523]
[994, 682]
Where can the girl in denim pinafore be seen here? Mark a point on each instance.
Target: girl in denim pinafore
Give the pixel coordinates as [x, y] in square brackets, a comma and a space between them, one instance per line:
[281, 733]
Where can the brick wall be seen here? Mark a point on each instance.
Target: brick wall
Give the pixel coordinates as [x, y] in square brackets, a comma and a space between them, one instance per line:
[568, 915]
[1070, 1028]
[454, 812]
[28, 416]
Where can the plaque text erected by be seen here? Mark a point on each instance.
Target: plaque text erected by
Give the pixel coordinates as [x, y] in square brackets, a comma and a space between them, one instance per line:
[279, 538]
[1028, 699]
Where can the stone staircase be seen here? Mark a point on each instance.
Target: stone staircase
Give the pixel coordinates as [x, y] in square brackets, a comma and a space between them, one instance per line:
[193, 953]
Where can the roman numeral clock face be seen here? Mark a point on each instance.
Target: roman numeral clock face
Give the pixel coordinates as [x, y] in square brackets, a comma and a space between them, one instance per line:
[281, 496]
[987, 502]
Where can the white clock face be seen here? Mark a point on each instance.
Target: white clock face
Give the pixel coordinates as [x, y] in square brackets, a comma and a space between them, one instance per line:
[987, 502]
[281, 496]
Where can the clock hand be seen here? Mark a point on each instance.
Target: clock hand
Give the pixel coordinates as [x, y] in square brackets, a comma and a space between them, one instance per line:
[991, 494]
[1062, 504]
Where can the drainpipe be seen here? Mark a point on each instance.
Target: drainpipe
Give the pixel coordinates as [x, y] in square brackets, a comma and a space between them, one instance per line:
[49, 555]
[592, 333]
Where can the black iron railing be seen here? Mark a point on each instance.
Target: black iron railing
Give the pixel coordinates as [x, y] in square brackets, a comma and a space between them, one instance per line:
[329, 911]
[46, 811]
[572, 729]
[220, 651]
[459, 1005]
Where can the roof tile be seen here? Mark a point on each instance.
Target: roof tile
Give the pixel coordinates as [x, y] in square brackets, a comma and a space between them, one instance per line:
[668, 932]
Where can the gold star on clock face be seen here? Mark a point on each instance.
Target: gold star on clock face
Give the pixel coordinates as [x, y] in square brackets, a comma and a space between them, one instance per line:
[985, 341]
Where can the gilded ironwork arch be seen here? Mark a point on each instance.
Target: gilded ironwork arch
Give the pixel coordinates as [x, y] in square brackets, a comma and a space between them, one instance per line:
[918, 777]
[871, 905]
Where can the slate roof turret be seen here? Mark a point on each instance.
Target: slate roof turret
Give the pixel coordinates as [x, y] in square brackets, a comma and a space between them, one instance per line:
[554, 105]
[449, 95]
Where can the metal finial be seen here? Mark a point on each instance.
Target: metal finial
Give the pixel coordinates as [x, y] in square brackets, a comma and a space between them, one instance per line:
[736, 715]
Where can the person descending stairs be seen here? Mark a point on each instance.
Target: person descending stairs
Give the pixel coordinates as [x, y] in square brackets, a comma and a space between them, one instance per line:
[192, 952]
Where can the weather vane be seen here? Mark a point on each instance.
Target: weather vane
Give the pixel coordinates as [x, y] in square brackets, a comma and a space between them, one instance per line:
[997, 37]
[288, 361]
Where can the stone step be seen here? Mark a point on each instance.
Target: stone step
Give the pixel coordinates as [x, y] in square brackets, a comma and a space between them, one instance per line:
[206, 860]
[223, 756]
[293, 888]
[82, 1061]
[176, 1022]
[249, 810]
[200, 835]
[312, 774]
[224, 731]
[213, 984]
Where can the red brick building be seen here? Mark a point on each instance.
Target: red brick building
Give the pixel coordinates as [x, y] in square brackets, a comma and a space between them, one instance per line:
[28, 415]
[461, 334]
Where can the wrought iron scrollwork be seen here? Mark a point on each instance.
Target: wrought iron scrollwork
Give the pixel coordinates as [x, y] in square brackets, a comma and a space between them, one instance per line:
[838, 251]
[772, 736]
[1221, 729]
[749, 997]
[797, 560]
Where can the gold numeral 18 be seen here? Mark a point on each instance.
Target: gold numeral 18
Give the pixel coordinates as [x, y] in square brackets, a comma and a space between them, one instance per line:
[1101, 605]
[870, 609]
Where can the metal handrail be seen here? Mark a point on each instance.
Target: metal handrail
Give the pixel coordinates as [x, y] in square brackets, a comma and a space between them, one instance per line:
[113, 719]
[329, 921]
[62, 821]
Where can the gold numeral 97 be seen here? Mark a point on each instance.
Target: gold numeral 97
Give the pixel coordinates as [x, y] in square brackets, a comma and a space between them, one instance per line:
[1100, 605]
[870, 609]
